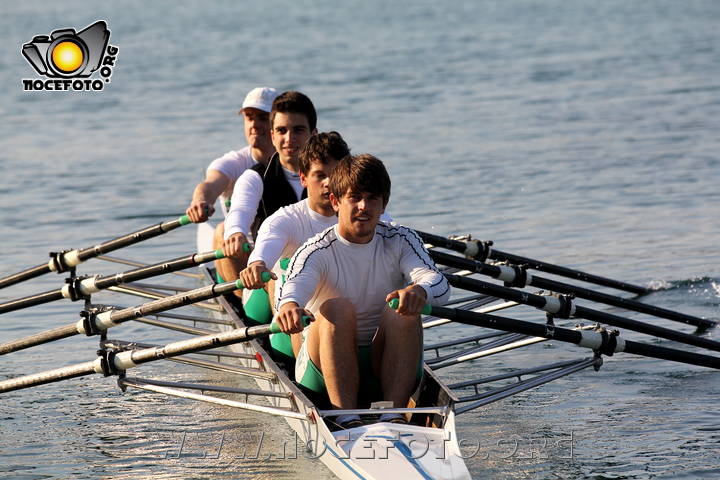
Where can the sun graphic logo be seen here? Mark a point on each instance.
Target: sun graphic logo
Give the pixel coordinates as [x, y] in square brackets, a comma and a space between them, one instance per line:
[68, 58]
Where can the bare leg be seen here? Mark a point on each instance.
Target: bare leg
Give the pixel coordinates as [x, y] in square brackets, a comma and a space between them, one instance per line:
[270, 289]
[395, 354]
[295, 338]
[228, 268]
[333, 348]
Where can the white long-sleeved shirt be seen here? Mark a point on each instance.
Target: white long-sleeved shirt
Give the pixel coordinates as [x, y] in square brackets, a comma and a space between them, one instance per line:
[283, 232]
[328, 266]
[246, 198]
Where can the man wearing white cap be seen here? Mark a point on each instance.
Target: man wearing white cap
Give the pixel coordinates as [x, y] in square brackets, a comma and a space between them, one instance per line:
[223, 172]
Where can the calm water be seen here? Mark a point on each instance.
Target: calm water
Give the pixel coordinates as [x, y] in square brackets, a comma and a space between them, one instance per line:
[581, 133]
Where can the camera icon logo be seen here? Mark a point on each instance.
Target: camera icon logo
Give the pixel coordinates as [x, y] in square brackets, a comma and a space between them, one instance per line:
[67, 53]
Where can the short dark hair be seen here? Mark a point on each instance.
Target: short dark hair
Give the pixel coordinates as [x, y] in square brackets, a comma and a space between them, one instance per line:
[361, 173]
[294, 102]
[322, 148]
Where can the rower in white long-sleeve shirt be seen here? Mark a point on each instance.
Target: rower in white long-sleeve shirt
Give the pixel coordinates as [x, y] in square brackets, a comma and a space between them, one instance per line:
[357, 349]
[263, 189]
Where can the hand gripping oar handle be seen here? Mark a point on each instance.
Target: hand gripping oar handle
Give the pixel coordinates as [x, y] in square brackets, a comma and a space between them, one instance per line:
[603, 342]
[78, 288]
[65, 261]
[93, 324]
[482, 251]
[113, 363]
[426, 309]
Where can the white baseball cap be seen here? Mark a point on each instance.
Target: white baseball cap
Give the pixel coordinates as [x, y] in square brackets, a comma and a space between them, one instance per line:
[260, 98]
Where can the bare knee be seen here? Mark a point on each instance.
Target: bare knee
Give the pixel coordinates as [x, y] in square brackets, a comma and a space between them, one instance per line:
[218, 236]
[392, 321]
[339, 312]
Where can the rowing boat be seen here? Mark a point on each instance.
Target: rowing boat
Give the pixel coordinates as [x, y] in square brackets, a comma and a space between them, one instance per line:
[426, 448]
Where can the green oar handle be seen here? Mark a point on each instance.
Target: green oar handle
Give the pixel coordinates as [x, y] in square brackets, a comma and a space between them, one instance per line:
[184, 220]
[275, 328]
[266, 277]
[426, 310]
[245, 248]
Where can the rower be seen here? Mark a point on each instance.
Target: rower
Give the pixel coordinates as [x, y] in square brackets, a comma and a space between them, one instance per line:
[223, 172]
[283, 232]
[358, 350]
[263, 189]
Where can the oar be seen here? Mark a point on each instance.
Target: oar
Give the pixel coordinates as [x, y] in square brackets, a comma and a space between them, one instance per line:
[78, 288]
[520, 278]
[602, 341]
[65, 261]
[94, 323]
[482, 251]
[565, 307]
[115, 363]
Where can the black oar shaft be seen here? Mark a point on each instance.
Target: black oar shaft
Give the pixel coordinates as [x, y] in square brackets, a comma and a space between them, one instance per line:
[38, 299]
[105, 320]
[39, 339]
[170, 266]
[567, 272]
[88, 286]
[116, 317]
[131, 238]
[580, 292]
[128, 359]
[646, 328]
[174, 301]
[51, 376]
[540, 301]
[198, 344]
[65, 261]
[621, 302]
[570, 336]
[485, 252]
[25, 275]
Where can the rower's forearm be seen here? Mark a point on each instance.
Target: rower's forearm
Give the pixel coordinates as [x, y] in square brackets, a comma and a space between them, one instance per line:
[205, 192]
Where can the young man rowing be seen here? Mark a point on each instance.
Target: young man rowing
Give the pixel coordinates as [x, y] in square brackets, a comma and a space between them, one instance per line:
[283, 232]
[263, 189]
[223, 172]
[344, 277]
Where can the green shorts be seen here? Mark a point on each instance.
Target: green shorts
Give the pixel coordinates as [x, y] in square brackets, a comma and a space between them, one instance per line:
[282, 349]
[281, 343]
[311, 381]
[256, 304]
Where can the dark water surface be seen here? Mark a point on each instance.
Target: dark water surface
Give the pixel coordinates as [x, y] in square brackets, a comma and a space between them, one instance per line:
[581, 133]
